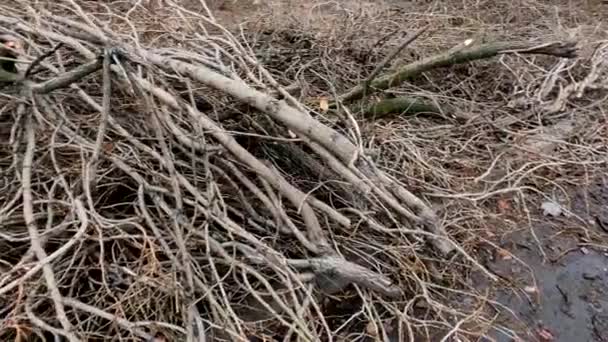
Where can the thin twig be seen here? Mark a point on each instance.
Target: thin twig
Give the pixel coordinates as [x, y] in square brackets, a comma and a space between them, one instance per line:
[392, 56]
[28, 215]
[68, 78]
[40, 59]
[103, 122]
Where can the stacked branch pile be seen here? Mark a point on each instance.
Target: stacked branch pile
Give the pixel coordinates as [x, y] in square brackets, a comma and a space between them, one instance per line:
[118, 183]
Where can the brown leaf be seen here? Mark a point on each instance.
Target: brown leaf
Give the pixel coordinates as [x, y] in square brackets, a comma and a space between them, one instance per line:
[504, 206]
[504, 254]
[108, 147]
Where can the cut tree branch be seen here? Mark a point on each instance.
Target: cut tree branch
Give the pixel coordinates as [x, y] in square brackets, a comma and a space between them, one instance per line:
[462, 54]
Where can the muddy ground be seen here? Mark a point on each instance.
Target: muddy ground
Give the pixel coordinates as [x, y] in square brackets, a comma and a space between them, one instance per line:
[563, 295]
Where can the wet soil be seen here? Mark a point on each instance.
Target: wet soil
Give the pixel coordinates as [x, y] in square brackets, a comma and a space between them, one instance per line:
[563, 294]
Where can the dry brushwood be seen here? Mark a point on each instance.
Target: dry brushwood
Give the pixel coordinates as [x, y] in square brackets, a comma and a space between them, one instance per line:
[118, 188]
[107, 158]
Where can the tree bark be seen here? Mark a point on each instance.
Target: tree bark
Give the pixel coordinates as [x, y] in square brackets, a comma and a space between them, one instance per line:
[399, 105]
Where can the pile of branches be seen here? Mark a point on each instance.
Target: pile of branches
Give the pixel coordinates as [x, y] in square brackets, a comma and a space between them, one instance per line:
[185, 194]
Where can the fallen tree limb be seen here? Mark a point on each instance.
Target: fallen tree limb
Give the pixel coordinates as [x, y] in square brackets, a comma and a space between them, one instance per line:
[294, 119]
[400, 106]
[332, 269]
[36, 243]
[461, 54]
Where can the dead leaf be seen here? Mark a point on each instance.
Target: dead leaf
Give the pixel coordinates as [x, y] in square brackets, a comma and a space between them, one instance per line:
[371, 329]
[504, 206]
[504, 254]
[545, 335]
[108, 147]
[324, 104]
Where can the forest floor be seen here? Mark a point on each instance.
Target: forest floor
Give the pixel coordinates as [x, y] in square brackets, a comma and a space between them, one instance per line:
[514, 163]
[554, 269]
